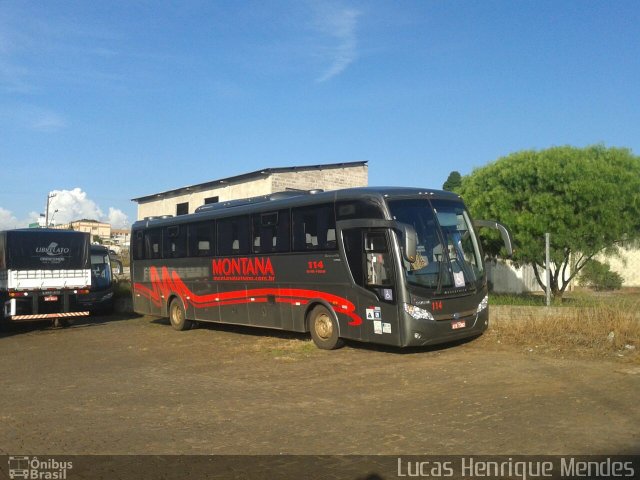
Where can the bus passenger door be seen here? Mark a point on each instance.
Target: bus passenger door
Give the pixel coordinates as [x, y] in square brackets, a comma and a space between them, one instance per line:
[370, 261]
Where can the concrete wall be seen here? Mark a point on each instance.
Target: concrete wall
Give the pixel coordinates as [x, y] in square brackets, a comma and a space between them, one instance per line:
[506, 278]
[628, 266]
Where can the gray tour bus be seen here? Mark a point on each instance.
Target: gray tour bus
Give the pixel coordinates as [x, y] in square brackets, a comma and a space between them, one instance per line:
[395, 266]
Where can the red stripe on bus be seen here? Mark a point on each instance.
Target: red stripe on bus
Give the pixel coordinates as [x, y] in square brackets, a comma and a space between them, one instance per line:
[165, 284]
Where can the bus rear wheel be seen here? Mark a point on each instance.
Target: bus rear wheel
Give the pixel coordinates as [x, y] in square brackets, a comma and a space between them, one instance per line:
[324, 329]
[178, 317]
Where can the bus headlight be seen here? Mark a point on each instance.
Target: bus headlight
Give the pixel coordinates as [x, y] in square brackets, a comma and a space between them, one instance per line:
[483, 304]
[417, 312]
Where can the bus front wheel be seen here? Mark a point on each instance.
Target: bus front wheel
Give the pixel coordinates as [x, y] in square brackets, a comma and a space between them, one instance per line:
[324, 329]
[178, 317]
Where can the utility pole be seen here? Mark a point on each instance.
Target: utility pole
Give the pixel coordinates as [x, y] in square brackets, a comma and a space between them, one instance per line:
[547, 250]
[46, 215]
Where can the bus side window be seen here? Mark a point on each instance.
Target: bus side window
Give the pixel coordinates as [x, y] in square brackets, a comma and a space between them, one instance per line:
[379, 270]
[363, 208]
[138, 245]
[174, 241]
[201, 239]
[369, 260]
[234, 236]
[311, 227]
[153, 243]
[352, 239]
[271, 232]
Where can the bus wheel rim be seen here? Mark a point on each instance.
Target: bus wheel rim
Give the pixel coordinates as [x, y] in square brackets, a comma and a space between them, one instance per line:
[324, 326]
[177, 315]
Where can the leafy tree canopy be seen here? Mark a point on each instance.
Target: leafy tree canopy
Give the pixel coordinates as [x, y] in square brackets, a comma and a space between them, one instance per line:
[588, 199]
[454, 180]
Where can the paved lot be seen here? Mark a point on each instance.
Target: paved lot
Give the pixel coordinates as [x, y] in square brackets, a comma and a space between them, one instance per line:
[133, 385]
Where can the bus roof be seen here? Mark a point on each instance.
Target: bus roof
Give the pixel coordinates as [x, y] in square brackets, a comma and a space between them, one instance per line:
[291, 198]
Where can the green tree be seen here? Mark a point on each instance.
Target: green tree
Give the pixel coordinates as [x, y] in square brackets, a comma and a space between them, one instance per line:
[588, 199]
[453, 183]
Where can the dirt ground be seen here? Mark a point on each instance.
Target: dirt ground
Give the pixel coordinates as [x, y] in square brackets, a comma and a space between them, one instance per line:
[132, 385]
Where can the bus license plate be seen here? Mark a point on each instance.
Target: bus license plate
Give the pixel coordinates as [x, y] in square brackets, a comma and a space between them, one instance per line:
[51, 298]
[458, 324]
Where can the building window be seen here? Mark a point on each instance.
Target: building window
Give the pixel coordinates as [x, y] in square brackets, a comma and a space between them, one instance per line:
[209, 200]
[182, 208]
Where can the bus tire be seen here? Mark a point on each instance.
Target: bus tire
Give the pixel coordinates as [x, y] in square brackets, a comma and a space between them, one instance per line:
[324, 329]
[178, 317]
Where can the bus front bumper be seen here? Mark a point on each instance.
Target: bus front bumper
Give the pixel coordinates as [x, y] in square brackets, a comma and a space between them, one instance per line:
[422, 332]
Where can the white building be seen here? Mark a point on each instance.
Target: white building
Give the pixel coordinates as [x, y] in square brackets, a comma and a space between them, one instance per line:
[185, 200]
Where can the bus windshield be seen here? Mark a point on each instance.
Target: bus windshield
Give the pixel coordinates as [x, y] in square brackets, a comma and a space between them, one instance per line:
[448, 255]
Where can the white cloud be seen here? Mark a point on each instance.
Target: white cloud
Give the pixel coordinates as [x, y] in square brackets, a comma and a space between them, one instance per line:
[65, 207]
[76, 205]
[7, 220]
[117, 218]
[69, 205]
[340, 24]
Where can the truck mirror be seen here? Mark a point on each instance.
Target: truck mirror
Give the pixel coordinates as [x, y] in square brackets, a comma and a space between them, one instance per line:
[116, 267]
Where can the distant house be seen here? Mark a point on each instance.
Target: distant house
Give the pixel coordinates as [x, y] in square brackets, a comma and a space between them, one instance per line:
[120, 237]
[185, 200]
[95, 228]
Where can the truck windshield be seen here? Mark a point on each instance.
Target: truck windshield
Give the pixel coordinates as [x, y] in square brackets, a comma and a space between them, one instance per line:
[448, 255]
[100, 270]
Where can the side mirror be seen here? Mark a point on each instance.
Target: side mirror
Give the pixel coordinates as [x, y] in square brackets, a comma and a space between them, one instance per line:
[504, 232]
[116, 267]
[409, 242]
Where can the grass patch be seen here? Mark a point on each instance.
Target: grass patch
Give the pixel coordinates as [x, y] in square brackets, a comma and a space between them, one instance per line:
[285, 349]
[524, 300]
[602, 330]
[623, 299]
[293, 351]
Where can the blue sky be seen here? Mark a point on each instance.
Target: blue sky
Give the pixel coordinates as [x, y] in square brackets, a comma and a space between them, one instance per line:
[107, 101]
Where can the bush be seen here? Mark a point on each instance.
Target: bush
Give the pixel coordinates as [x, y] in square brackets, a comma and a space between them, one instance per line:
[122, 289]
[599, 276]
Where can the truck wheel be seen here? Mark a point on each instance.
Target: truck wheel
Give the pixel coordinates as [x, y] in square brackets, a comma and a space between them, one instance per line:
[60, 323]
[324, 329]
[178, 317]
[5, 324]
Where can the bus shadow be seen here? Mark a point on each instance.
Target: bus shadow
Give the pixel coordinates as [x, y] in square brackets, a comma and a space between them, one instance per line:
[408, 350]
[246, 330]
[255, 331]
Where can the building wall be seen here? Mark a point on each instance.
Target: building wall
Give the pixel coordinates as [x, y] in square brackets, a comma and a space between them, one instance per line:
[167, 206]
[323, 178]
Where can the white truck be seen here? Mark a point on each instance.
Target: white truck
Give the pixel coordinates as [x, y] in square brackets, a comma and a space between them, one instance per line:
[42, 274]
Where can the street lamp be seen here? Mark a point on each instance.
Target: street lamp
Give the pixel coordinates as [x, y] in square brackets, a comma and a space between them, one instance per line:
[53, 215]
[46, 216]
